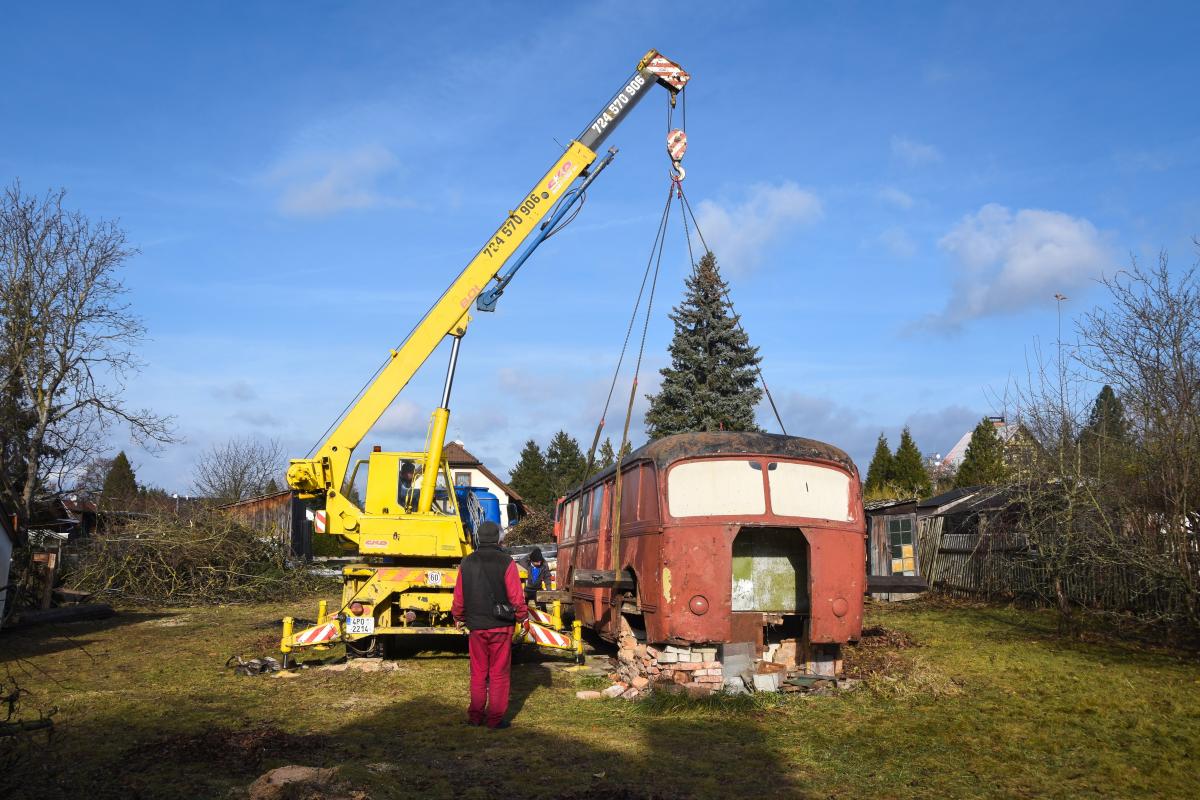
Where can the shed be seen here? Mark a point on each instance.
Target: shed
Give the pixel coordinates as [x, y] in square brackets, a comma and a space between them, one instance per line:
[903, 536]
[280, 515]
[891, 541]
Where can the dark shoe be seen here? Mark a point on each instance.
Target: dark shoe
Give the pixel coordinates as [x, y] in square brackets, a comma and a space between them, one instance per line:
[473, 723]
[500, 726]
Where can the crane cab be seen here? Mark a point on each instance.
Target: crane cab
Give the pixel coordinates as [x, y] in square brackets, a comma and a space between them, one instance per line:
[378, 510]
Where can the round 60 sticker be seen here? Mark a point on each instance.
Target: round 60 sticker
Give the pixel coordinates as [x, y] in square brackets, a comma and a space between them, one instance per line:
[433, 578]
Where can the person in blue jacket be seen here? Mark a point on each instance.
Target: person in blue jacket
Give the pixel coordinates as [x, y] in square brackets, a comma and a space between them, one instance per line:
[538, 574]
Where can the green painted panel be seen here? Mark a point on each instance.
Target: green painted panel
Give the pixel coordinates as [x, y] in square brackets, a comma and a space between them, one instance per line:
[770, 570]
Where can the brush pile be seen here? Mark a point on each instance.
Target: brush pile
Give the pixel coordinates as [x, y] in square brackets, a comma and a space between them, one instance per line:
[166, 561]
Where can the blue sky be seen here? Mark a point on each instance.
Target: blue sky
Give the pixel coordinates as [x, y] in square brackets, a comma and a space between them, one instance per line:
[895, 195]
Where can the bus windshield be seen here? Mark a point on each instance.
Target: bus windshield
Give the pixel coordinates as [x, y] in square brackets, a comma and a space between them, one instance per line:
[716, 487]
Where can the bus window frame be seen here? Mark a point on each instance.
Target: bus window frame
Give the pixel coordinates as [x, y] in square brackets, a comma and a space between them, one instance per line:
[596, 508]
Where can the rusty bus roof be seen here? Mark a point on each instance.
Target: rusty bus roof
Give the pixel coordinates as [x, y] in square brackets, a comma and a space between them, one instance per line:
[669, 449]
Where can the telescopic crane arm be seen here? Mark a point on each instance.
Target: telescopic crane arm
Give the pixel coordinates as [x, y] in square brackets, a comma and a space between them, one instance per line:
[481, 281]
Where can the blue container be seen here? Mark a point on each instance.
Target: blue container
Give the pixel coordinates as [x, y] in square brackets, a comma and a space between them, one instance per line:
[487, 501]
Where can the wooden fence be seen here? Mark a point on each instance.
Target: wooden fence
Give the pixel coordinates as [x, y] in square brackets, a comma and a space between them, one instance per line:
[1001, 564]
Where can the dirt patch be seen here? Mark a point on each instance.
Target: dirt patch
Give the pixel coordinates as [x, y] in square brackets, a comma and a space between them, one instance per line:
[172, 621]
[611, 793]
[302, 783]
[241, 751]
[880, 652]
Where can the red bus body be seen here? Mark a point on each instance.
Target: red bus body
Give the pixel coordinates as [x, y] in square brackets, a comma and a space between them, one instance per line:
[730, 537]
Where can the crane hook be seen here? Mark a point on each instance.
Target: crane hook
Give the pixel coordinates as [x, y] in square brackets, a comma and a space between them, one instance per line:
[676, 147]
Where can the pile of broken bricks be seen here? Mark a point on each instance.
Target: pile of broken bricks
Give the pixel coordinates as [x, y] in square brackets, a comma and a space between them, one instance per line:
[639, 669]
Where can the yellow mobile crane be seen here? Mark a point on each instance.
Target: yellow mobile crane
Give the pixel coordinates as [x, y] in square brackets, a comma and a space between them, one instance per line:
[410, 540]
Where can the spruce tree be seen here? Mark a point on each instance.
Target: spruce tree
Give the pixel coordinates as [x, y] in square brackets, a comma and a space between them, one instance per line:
[272, 487]
[882, 470]
[1104, 440]
[565, 464]
[983, 464]
[120, 484]
[910, 475]
[712, 383]
[530, 479]
[607, 456]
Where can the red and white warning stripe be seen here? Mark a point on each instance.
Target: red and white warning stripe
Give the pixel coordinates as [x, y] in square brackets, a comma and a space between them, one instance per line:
[537, 615]
[546, 637]
[669, 71]
[676, 144]
[320, 522]
[317, 635]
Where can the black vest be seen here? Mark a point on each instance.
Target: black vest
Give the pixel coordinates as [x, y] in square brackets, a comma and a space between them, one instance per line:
[482, 576]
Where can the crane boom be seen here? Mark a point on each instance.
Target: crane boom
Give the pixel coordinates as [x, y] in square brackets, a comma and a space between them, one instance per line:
[409, 553]
[325, 472]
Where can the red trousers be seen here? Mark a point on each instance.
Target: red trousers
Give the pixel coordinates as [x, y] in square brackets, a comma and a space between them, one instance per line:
[491, 657]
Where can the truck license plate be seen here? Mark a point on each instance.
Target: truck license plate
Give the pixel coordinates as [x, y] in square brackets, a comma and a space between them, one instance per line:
[360, 625]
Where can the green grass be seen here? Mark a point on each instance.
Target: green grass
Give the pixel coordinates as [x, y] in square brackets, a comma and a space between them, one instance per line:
[993, 704]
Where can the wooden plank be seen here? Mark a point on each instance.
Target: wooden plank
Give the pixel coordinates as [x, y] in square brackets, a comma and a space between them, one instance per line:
[81, 613]
[896, 583]
[603, 579]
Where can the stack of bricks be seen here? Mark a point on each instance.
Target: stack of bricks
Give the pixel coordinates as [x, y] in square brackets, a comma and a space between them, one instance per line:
[641, 668]
[696, 669]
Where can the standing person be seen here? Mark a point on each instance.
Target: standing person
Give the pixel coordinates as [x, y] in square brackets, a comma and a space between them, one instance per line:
[487, 580]
[539, 574]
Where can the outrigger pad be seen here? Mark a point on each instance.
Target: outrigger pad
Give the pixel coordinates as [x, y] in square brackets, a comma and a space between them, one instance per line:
[603, 579]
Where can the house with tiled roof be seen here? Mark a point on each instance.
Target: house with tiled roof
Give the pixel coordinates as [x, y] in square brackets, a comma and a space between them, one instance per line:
[470, 471]
[1019, 447]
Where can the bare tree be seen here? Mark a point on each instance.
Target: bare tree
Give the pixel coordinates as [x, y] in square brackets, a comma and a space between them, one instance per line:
[91, 476]
[238, 469]
[1111, 503]
[1147, 346]
[69, 338]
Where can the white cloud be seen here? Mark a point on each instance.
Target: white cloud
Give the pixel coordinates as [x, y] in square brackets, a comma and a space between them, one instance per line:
[898, 242]
[324, 183]
[403, 418]
[914, 153]
[738, 233]
[1007, 261]
[258, 419]
[856, 431]
[238, 390]
[895, 197]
